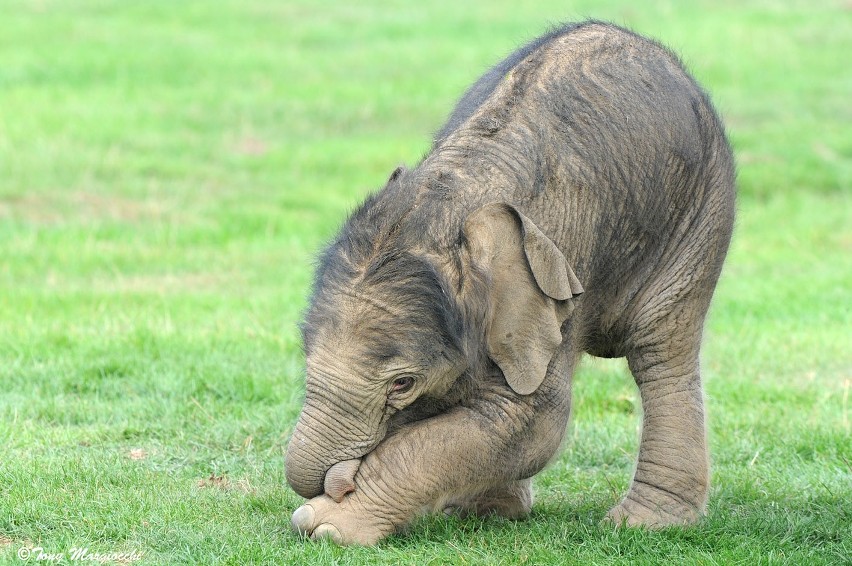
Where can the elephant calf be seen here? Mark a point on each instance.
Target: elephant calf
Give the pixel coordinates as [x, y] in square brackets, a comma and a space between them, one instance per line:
[580, 198]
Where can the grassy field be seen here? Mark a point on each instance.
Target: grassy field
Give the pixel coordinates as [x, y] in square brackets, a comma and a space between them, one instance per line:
[168, 170]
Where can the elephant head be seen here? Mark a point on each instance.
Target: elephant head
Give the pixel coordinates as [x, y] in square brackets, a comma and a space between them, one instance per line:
[394, 324]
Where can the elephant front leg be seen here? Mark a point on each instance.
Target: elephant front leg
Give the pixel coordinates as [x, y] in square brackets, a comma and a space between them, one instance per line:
[512, 500]
[454, 456]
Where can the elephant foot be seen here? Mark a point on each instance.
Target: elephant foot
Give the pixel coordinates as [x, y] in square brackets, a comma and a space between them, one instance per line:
[344, 523]
[513, 501]
[652, 508]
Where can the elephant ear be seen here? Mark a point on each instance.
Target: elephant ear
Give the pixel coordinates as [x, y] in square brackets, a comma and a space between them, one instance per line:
[528, 276]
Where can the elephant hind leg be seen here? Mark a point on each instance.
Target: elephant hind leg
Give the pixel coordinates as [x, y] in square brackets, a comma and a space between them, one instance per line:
[663, 328]
[671, 481]
[512, 500]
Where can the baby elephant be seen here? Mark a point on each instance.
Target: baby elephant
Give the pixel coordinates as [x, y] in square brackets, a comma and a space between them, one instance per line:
[580, 198]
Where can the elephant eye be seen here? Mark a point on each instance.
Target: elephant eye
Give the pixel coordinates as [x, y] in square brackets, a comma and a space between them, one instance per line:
[402, 384]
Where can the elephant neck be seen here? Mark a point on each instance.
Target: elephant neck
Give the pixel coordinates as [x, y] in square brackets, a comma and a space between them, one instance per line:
[455, 180]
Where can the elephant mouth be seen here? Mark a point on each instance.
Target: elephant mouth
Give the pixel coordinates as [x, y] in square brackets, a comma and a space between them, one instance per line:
[340, 479]
[310, 475]
[312, 454]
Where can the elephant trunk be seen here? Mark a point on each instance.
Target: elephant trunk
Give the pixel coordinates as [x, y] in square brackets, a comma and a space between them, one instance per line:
[318, 443]
[305, 469]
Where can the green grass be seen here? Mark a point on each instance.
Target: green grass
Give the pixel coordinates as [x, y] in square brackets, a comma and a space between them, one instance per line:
[169, 169]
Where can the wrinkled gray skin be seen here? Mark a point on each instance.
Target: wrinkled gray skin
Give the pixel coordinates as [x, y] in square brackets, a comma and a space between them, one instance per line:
[580, 199]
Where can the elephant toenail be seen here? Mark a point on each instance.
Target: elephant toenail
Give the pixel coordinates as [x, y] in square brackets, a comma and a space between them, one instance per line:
[327, 531]
[303, 519]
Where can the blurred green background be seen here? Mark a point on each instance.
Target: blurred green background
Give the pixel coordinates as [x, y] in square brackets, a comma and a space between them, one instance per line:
[168, 171]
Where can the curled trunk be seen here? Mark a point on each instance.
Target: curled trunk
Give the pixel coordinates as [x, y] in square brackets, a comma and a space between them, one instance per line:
[316, 446]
